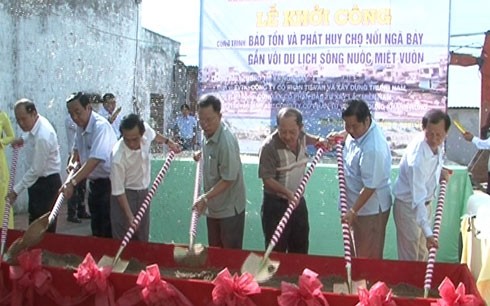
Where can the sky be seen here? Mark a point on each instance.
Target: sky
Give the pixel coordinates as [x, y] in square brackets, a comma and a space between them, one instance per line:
[179, 20]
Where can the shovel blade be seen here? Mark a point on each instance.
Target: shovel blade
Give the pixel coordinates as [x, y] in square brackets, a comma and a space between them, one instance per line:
[262, 269]
[195, 257]
[119, 266]
[344, 287]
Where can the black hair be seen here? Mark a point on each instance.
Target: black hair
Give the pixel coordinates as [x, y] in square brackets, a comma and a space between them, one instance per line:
[208, 100]
[186, 106]
[80, 96]
[435, 116]
[128, 122]
[108, 96]
[358, 108]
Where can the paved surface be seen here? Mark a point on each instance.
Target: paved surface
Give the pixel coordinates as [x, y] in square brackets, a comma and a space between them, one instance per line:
[62, 227]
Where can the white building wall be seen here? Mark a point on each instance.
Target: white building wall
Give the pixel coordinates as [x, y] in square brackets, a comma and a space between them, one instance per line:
[51, 49]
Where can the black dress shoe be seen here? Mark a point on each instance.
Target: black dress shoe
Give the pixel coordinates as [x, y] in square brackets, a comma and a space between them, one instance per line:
[74, 220]
[84, 215]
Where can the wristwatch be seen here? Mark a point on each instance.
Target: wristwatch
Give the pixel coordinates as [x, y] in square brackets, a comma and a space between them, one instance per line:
[73, 182]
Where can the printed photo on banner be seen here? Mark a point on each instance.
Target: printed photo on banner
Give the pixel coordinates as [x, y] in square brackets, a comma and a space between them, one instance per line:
[259, 56]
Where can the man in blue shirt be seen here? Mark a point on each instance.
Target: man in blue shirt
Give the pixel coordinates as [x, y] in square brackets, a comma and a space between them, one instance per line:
[367, 167]
[186, 128]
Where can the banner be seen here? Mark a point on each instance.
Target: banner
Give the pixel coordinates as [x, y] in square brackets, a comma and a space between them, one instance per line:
[258, 56]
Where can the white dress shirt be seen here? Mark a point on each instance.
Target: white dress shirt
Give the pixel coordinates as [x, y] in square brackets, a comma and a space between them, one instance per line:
[420, 170]
[43, 153]
[131, 168]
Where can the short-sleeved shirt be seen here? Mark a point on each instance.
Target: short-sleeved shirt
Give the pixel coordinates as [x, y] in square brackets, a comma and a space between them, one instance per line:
[71, 131]
[96, 141]
[131, 169]
[186, 126]
[277, 161]
[367, 163]
[221, 161]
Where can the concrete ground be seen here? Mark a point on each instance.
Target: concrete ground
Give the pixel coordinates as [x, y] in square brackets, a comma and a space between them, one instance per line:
[62, 227]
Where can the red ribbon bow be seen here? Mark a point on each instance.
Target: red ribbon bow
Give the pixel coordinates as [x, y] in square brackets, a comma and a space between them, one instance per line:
[234, 290]
[451, 296]
[29, 276]
[156, 291]
[308, 292]
[94, 280]
[378, 295]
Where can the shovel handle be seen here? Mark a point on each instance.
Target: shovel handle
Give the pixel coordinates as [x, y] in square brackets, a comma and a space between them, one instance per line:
[143, 208]
[429, 270]
[343, 203]
[292, 204]
[195, 213]
[6, 213]
[61, 197]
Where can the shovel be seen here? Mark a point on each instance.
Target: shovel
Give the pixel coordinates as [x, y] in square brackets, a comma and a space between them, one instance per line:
[263, 268]
[6, 213]
[346, 232]
[194, 255]
[117, 264]
[429, 270]
[36, 230]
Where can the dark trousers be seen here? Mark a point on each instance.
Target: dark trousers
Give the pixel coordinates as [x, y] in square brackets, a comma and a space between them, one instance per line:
[226, 232]
[295, 236]
[99, 204]
[42, 196]
[76, 204]
[488, 183]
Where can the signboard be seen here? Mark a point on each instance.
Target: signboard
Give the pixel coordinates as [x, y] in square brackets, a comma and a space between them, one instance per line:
[258, 56]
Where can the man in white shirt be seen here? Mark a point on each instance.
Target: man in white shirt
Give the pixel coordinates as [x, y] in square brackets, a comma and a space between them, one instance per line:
[42, 179]
[414, 190]
[131, 174]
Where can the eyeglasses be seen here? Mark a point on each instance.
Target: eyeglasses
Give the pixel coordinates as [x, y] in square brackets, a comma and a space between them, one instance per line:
[207, 120]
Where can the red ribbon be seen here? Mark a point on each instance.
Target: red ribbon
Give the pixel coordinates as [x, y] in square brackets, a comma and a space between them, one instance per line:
[152, 290]
[234, 290]
[378, 295]
[29, 277]
[308, 292]
[451, 296]
[94, 281]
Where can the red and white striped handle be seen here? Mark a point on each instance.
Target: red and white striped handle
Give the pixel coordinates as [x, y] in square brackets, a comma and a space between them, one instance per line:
[6, 213]
[429, 270]
[292, 204]
[142, 210]
[61, 197]
[195, 213]
[343, 203]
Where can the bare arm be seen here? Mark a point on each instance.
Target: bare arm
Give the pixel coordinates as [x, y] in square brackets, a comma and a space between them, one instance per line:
[124, 205]
[201, 203]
